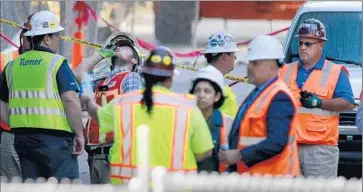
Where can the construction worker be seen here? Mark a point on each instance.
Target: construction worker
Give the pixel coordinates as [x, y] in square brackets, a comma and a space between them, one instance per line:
[44, 110]
[179, 135]
[221, 54]
[10, 165]
[208, 88]
[122, 78]
[263, 134]
[322, 90]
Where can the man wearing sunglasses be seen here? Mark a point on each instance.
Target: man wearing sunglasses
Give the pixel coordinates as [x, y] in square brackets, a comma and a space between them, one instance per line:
[115, 74]
[322, 90]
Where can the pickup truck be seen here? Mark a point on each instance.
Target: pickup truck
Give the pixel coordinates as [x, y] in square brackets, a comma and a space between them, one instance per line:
[343, 23]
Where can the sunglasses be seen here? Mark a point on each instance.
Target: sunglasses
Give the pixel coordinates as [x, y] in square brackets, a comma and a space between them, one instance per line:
[307, 44]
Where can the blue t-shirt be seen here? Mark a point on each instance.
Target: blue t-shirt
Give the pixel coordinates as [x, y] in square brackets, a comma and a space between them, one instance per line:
[343, 88]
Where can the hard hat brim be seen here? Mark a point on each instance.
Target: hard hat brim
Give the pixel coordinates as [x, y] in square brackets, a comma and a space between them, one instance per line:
[158, 72]
[311, 37]
[220, 50]
[36, 33]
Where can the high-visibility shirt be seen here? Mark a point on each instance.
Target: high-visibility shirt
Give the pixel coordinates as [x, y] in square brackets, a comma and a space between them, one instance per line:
[177, 132]
[34, 100]
[317, 126]
[106, 90]
[253, 129]
[229, 106]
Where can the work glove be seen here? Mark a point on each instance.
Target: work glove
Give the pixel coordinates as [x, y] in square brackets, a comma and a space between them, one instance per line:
[107, 51]
[310, 100]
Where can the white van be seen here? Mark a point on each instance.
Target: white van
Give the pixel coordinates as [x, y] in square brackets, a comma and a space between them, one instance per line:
[343, 23]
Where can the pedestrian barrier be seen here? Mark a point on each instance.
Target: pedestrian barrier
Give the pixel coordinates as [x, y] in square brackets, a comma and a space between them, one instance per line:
[201, 182]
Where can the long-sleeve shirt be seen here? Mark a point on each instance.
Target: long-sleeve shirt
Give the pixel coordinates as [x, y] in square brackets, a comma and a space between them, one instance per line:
[279, 116]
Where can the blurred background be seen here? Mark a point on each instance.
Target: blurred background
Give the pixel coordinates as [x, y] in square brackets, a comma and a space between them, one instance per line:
[183, 26]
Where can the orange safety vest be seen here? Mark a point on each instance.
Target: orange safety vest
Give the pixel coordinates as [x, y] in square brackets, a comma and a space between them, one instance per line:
[317, 126]
[253, 129]
[224, 133]
[124, 168]
[113, 89]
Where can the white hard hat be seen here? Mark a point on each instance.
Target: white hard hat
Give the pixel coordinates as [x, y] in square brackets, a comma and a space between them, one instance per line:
[264, 47]
[221, 43]
[211, 73]
[43, 22]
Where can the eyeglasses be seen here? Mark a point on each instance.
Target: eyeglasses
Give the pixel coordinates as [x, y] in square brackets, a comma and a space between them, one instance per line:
[307, 44]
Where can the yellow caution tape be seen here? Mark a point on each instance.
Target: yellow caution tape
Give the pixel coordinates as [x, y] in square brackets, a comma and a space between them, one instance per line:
[95, 45]
[68, 38]
[11, 23]
[230, 77]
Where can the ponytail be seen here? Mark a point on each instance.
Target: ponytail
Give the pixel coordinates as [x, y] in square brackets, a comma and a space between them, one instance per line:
[150, 81]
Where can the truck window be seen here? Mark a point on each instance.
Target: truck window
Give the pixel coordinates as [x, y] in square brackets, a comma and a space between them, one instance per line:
[344, 34]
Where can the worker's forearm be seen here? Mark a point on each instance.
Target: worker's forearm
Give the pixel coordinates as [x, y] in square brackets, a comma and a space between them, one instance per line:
[74, 115]
[336, 105]
[203, 156]
[92, 109]
[87, 65]
[4, 109]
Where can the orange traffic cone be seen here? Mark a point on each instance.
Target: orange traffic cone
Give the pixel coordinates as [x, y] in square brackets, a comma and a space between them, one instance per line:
[77, 53]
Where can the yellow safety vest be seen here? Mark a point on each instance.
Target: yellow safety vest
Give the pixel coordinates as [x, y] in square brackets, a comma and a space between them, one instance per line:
[169, 133]
[229, 106]
[34, 100]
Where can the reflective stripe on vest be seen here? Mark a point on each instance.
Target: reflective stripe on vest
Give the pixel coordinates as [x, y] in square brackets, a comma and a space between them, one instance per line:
[224, 134]
[36, 111]
[34, 95]
[247, 141]
[47, 94]
[316, 111]
[324, 79]
[253, 130]
[292, 139]
[323, 82]
[125, 169]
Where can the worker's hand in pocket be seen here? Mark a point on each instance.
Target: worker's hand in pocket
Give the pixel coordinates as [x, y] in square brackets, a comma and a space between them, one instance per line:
[229, 157]
[78, 145]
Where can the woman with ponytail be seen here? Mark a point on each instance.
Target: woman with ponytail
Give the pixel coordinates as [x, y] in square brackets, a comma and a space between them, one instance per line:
[178, 133]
